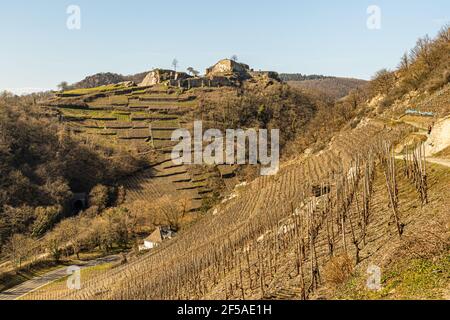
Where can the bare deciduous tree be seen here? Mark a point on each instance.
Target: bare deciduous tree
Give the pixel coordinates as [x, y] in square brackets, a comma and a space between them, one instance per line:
[175, 64]
[63, 86]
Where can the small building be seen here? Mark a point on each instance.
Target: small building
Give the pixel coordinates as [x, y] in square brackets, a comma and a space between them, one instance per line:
[157, 237]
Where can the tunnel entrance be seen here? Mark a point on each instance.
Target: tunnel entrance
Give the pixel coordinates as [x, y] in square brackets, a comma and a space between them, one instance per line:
[77, 206]
[79, 202]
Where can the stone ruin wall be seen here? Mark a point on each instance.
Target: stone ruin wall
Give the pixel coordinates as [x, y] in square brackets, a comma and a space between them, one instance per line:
[202, 82]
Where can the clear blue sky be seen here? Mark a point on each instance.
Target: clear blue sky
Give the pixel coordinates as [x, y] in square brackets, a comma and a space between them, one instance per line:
[321, 36]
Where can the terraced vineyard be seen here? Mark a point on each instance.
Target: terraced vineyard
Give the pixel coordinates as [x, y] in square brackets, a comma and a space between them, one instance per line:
[164, 180]
[141, 120]
[251, 248]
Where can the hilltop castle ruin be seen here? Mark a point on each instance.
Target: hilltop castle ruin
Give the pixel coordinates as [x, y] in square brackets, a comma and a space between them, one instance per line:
[226, 72]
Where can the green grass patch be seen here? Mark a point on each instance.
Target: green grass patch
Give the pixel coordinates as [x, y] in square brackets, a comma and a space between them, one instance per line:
[94, 114]
[88, 272]
[122, 117]
[201, 184]
[160, 88]
[413, 279]
[101, 132]
[11, 279]
[111, 87]
[119, 100]
[166, 124]
[162, 104]
[60, 285]
[159, 134]
[138, 92]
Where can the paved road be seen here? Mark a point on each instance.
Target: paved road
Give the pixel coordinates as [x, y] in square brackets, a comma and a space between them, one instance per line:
[38, 282]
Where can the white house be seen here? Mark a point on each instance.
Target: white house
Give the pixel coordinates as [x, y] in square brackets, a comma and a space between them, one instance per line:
[156, 238]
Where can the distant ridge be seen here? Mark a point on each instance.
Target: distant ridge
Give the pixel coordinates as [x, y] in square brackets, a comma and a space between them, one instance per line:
[333, 87]
[107, 78]
[302, 77]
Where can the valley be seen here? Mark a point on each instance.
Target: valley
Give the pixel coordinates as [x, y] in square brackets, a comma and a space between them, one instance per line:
[362, 186]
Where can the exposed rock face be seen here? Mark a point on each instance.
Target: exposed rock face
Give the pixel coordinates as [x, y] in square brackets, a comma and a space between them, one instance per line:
[228, 67]
[127, 84]
[265, 75]
[158, 76]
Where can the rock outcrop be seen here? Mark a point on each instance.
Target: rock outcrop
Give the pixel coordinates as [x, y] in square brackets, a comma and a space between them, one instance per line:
[158, 76]
[226, 72]
[229, 68]
[126, 84]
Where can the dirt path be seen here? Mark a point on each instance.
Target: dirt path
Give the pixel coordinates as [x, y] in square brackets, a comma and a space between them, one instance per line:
[41, 281]
[443, 162]
[438, 140]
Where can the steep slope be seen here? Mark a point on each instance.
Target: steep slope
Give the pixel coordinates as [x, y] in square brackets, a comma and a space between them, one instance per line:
[335, 88]
[245, 223]
[313, 230]
[140, 120]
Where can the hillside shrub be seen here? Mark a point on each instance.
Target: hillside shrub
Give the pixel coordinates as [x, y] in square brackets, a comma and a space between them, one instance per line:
[338, 270]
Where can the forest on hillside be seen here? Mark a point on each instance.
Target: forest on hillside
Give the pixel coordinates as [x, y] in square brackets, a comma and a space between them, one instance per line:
[42, 166]
[425, 68]
[302, 77]
[335, 88]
